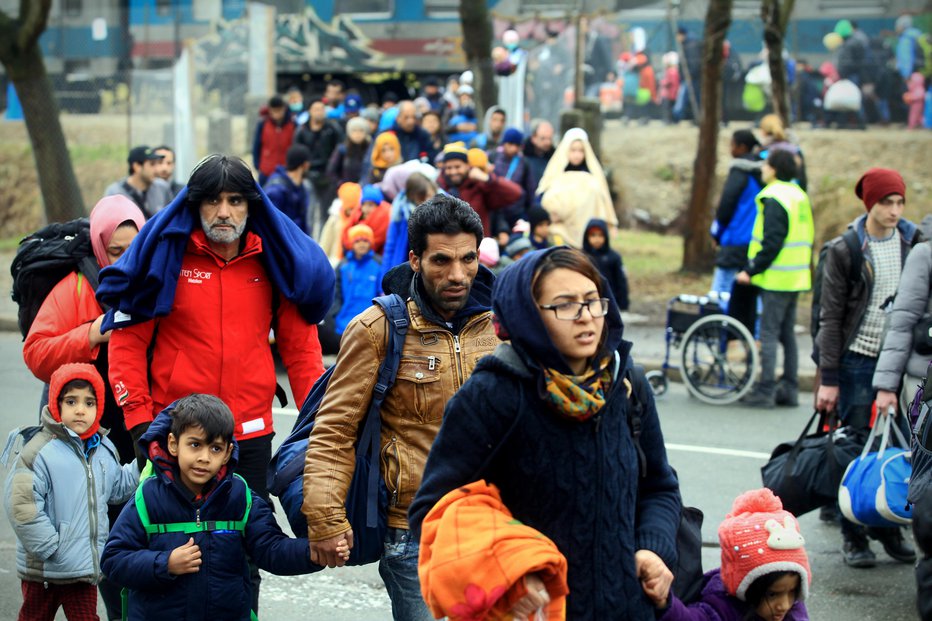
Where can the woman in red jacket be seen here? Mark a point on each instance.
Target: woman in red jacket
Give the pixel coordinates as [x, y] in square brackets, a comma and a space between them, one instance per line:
[67, 326]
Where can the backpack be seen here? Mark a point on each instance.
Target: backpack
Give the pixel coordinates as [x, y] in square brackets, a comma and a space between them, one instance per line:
[688, 577]
[367, 498]
[850, 239]
[44, 258]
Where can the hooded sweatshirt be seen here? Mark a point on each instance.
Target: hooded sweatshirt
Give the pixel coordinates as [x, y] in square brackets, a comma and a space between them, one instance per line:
[57, 492]
[221, 588]
[609, 263]
[574, 481]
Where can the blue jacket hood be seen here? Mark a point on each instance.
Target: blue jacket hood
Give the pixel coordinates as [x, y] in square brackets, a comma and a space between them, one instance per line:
[142, 284]
[518, 316]
[154, 443]
[904, 227]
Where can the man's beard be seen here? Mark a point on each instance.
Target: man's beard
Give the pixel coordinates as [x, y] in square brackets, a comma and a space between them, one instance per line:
[224, 235]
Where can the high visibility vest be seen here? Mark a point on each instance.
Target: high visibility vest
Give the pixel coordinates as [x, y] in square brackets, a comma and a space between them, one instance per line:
[790, 269]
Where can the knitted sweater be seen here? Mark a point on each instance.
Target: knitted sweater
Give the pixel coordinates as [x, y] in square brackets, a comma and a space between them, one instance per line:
[575, 482]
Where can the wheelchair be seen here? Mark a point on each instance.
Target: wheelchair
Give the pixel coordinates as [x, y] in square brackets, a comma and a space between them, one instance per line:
[718, 357]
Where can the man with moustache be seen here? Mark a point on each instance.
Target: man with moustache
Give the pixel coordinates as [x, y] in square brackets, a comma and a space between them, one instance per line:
[192, 305]
[448, 297]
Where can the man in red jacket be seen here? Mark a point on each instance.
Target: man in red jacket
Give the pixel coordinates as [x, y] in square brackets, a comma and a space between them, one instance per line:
[483, 191]
[215, 340]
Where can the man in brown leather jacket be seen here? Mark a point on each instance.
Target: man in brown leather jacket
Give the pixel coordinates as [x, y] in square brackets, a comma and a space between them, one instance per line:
[448, 299]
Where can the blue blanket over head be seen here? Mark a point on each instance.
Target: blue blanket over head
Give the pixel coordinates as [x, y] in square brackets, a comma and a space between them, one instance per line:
[141, 284]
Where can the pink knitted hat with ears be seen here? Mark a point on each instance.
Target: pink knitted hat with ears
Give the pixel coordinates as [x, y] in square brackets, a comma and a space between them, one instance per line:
[759, 537]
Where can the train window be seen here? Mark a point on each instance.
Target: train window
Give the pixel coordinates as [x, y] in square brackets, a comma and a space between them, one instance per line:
[444, 9]
[163, 7]
[363, 7]
[73, 8]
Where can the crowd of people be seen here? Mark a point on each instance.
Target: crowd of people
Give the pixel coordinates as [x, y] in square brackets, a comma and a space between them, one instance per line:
[863, 80]
[148, 472]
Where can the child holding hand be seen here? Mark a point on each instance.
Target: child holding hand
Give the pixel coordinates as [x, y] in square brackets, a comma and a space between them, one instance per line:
[180, 547]
[764, 574]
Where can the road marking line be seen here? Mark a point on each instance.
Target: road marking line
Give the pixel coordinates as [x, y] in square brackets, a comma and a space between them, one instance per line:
[717, 451]
[673, 447]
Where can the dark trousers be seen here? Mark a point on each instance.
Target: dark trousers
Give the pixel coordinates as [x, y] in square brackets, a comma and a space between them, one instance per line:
[254, 457]
[855, 399]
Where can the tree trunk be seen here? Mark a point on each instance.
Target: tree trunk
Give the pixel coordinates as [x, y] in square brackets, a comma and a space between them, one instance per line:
[776, 16]
[22, 59]
[698, 254]
[477, 44]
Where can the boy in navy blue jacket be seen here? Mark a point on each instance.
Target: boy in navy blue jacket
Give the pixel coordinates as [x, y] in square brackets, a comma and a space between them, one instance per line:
[180, 547]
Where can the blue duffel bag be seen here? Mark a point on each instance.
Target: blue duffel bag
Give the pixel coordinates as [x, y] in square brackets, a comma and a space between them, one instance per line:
[874, 488]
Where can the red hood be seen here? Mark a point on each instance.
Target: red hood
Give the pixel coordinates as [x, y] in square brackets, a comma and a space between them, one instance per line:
[65, 374]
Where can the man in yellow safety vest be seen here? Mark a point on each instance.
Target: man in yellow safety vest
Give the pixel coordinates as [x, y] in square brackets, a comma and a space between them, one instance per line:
[779, 257]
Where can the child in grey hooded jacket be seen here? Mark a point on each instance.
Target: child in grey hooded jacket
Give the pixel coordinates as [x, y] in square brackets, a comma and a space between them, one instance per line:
[57, 493]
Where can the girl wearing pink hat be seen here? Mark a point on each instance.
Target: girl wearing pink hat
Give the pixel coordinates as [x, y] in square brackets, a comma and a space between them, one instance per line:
[765, 570]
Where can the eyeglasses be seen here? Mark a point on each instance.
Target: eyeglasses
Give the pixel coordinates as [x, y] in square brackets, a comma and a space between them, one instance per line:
[571, 311]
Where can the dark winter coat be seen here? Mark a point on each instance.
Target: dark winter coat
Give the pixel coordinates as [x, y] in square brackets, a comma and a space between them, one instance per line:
[609, 263]
[734, 218]
[346, 163]
[221, 588]
[715, 604]
[536, 161]
[843, 306]
[321, 143]
[291, 199]
[575, 482]
[415, 144]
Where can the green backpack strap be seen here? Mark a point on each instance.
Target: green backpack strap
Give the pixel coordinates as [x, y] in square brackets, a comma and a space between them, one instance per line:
[190, 528]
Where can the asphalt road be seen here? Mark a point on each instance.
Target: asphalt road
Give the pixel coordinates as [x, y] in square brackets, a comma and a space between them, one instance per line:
[717, 451]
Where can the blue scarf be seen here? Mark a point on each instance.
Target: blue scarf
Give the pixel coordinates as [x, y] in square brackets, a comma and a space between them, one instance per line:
[141, 284]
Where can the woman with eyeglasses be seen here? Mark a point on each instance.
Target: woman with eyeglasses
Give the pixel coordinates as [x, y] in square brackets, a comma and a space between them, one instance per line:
[546, 420]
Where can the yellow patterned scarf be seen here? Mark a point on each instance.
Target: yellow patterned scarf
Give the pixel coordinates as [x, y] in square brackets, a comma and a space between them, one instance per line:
[578, 397]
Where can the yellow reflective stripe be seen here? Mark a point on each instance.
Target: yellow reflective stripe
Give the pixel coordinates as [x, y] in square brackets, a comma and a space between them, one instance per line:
[789, 268]
[801, 244]
[80, 280]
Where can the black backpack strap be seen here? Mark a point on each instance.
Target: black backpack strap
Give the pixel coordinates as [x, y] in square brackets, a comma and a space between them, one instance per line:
[396, 316]
[850, 237]
[634, 376]
[91, 271]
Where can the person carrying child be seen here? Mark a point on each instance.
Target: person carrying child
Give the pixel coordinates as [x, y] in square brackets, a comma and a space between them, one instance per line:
[180, 549]
[765, 570]
[57, 494]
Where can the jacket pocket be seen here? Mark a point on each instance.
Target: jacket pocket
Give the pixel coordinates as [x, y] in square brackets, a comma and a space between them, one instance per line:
[391, 470]
[418, 385]
[73, 550]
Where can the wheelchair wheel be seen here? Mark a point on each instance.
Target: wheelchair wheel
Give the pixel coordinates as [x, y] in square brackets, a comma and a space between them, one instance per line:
[658, 382]
[719, 359]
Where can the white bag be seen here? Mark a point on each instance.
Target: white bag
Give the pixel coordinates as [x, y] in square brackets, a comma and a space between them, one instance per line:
[843, 96]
